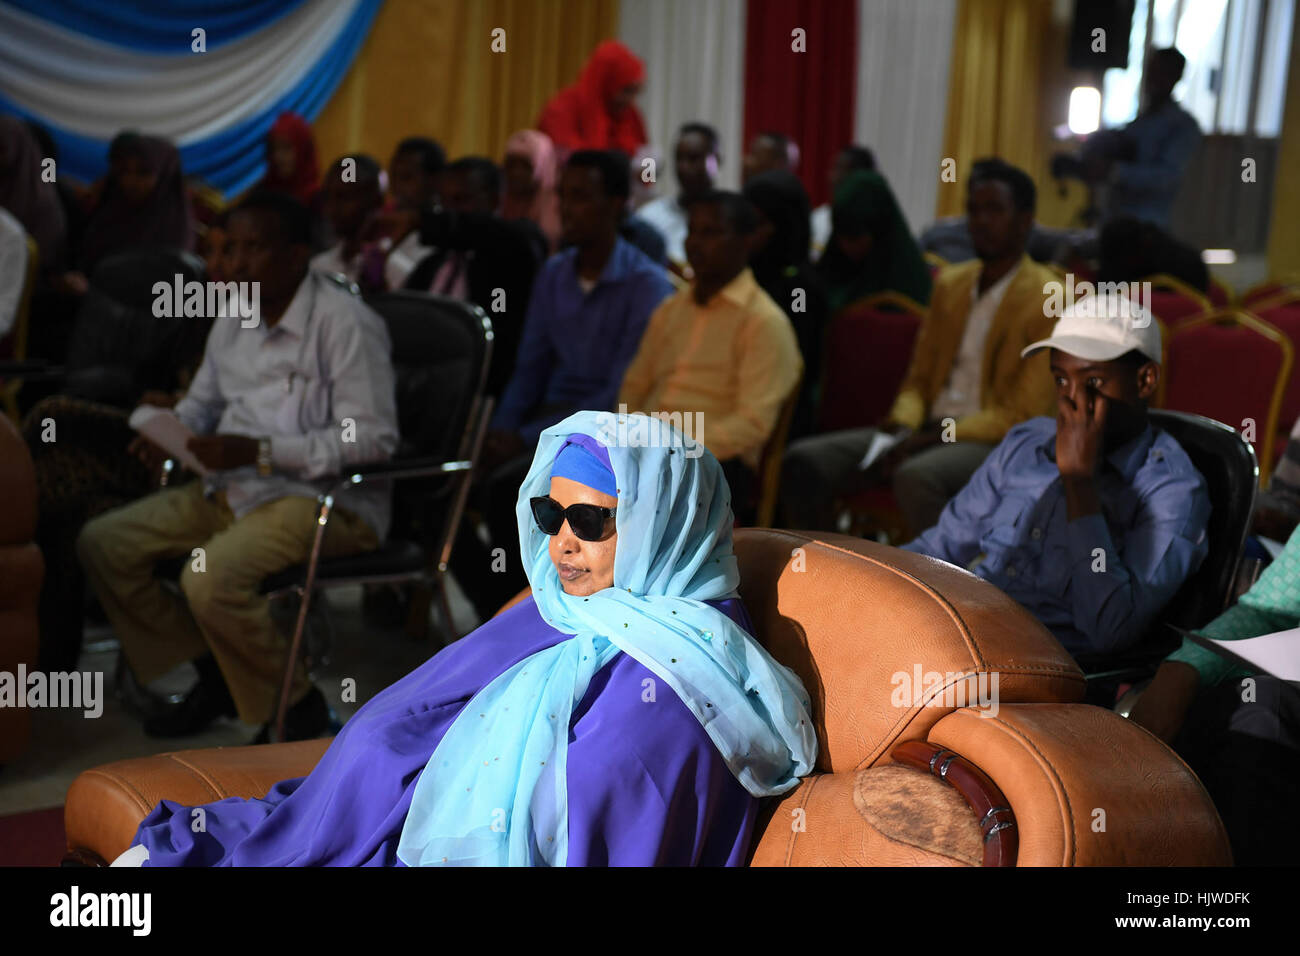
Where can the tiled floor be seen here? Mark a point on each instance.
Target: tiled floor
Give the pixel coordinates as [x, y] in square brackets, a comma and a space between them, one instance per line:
[65, 742]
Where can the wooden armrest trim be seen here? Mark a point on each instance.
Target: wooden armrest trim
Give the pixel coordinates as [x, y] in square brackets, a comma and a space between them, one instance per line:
[996, 820]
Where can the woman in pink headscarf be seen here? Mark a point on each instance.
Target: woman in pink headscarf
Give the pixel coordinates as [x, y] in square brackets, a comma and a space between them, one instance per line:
[598, 111]
[530, 179]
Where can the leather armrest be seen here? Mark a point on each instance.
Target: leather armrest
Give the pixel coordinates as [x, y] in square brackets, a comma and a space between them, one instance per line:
[1089, 788]
[106, 804]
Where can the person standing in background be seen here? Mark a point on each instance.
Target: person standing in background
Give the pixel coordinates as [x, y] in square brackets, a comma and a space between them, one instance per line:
[598, 111]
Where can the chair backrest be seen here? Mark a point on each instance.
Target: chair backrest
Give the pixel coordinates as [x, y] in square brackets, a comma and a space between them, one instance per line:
[1270, 290]
[441, 351]
[1220, 293]
[118, 345]
[1283, 312]
[868, 347]
[1233, 367]
[881, 638]
[1174, 301]
[769, 463]
[1227, 463]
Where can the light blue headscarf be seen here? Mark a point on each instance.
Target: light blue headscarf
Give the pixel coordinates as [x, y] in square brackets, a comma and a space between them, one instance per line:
[494, 790]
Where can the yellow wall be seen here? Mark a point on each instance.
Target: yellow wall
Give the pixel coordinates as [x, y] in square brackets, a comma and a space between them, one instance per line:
[427, 68]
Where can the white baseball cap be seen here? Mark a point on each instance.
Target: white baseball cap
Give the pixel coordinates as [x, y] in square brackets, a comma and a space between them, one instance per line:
[1101, 328]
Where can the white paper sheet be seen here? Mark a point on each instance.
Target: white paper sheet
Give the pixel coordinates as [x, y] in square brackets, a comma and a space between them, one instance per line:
[1277, 653]
[881, 442]
[164, 429]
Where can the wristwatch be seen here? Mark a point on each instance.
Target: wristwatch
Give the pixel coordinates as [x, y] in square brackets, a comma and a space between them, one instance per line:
[264, 457]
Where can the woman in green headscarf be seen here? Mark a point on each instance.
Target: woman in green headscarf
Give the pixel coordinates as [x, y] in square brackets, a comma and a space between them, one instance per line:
[870, 249]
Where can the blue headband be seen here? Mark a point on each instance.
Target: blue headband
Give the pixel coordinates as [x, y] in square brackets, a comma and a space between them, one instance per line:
[586, 461]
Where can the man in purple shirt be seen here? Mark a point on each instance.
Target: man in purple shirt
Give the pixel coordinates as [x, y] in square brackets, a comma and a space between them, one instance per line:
[1093, 520]
[589, 307]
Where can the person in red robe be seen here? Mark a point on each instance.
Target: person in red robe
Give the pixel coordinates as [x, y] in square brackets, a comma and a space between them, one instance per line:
[598, 111]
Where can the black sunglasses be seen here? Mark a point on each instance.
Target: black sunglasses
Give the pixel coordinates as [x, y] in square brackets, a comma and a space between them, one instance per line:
[587, 521]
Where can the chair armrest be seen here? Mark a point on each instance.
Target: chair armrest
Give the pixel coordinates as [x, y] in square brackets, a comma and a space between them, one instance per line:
[105, 805]
[402, 468]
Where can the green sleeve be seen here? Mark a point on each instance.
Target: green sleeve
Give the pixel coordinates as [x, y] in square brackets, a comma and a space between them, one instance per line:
[1272, 604]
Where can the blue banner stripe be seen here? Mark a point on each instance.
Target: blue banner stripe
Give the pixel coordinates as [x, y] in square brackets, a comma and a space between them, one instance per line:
[234, 159]
[153, 27]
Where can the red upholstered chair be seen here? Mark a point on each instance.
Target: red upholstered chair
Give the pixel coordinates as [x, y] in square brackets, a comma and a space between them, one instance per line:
[1220, 293]
[868, 348]
[1269, 290]
[935, 262]
[1175, 301]
[1283, 311]
[1230, 366]
[22, 569]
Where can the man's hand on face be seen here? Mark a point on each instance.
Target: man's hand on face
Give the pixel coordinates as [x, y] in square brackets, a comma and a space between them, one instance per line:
[223, 452]
[1080, 433]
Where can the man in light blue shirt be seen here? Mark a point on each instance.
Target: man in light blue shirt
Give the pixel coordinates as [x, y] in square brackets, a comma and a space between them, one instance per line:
[278, 409]
[1157, 146]
[1094, 519]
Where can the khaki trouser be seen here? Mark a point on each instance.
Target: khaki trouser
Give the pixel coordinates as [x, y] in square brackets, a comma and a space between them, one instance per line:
[225, 614]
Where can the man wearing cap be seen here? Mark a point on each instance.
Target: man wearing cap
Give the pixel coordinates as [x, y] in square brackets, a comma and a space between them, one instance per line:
[1093, 520]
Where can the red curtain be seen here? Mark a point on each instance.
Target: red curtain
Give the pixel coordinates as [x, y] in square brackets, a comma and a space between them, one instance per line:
[807, 96]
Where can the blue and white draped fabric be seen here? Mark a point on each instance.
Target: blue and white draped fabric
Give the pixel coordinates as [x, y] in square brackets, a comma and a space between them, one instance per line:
[88, 70]
[494, 791]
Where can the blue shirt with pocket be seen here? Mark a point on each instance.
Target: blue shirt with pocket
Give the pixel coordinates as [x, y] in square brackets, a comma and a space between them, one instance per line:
[1097, 582]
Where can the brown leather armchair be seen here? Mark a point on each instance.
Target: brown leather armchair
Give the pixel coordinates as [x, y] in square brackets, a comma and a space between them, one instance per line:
[891, 647]
[22, 569]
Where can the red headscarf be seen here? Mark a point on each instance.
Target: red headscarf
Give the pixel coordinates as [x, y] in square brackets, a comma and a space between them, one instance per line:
[578, 116]
[304, 182]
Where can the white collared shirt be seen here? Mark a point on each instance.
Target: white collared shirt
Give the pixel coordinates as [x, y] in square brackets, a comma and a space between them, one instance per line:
[319, 383]
[960, 396]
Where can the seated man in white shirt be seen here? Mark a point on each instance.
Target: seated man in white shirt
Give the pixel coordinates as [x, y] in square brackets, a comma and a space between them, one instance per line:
[696, 161]
[352, 197]
[278, 409]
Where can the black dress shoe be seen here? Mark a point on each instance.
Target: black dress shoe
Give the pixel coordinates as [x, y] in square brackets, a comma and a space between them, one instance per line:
[305, 720]
[208, 700]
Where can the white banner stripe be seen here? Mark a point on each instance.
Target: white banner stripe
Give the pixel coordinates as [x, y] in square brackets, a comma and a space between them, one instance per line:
[96, 90]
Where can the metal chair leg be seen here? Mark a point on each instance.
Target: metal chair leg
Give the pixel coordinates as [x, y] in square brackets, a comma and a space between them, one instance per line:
[295, 645]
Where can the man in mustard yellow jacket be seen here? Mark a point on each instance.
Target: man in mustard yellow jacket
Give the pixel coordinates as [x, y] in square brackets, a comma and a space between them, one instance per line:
[966, 385]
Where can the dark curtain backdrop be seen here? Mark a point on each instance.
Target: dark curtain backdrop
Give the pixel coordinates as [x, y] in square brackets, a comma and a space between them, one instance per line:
[807, 96]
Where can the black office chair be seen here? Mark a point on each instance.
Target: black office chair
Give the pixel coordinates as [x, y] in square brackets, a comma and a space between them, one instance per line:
[1227, 463]
[442, 348]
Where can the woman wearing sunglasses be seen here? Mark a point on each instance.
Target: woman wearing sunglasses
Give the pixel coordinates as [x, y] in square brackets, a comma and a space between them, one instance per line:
[621, 715]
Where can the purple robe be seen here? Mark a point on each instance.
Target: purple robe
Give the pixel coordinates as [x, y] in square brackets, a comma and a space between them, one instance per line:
[646, 784]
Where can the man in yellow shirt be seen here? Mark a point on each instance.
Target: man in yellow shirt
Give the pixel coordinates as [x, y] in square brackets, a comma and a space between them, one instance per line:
[720, 353]
[966, 385]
